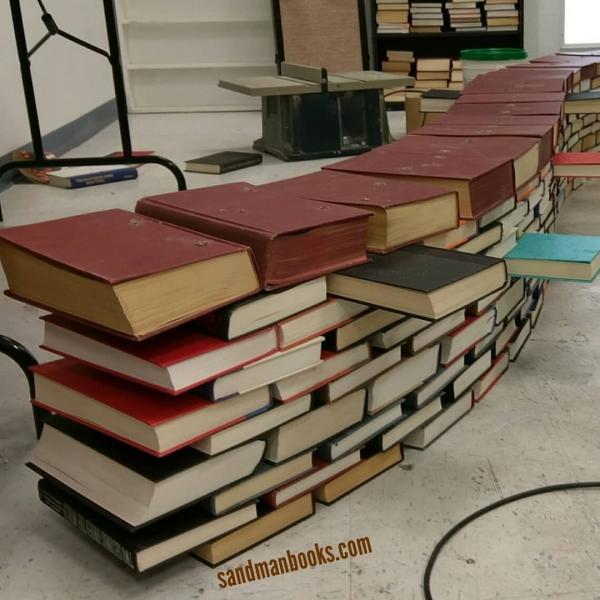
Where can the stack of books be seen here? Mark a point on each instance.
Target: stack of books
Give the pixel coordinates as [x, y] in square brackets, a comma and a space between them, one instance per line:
[399, 61]
[432, 73]
[392, 16]
[426, 17]
[501, 15]
[456, 75]
[464, 15]
[232, 354]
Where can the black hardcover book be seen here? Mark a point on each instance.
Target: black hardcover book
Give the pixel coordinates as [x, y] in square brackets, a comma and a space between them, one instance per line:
[442, 94]
[590, 95]
[223, 162]
[430, 283]
[151, 546]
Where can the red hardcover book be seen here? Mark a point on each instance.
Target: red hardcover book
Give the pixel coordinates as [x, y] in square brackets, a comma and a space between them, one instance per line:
[533, 72]
[172, 362]
[545, 133]
[511, 97]
[124, 272]
[482, 182]
[489, 380]
[587, 64]
[427, 209]
[577, 164]
[293, 240]
[524, 152]
[142, 417]
[509, 108]
[507, 85]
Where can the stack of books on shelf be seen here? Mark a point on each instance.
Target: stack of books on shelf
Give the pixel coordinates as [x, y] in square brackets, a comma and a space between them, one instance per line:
[399, 61]
[426, 17]
[432, 73]
[501, 15]
[456, 75]
[392, 17]
[464, 16]
[232, 354]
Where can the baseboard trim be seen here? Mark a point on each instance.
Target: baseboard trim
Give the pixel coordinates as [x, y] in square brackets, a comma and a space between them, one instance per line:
[69, 136]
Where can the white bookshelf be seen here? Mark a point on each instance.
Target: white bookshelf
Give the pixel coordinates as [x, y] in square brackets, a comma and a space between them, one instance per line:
[175, 52]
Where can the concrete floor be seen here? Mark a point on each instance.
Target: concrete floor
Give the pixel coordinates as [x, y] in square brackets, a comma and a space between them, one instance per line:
[539, 426]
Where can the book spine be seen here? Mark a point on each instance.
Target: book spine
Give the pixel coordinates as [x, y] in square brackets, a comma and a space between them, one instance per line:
[101, 178]
[90, 529]
[241, 165]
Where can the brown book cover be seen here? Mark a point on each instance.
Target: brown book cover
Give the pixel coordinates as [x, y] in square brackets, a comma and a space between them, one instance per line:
[482, 182]
[517, 149]
[587, 64]
[509, 108]
[379, 196]
[545, 133]
[504, 85]
[89, 267]
[293, 239]
[511, 97]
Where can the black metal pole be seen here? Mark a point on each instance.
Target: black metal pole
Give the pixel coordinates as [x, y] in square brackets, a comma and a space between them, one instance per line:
[32, 112]
[117, 73]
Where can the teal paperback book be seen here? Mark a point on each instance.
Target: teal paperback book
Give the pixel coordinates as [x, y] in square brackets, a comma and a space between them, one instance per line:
[555, 256]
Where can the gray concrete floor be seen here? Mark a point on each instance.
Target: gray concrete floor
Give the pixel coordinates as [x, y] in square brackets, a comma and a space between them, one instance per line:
[539, 426]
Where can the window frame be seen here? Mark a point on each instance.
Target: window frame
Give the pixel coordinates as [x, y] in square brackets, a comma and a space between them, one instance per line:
[565, 45]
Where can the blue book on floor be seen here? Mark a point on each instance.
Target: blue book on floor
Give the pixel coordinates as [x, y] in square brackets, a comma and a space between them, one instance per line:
[78, 177]
[555, 256]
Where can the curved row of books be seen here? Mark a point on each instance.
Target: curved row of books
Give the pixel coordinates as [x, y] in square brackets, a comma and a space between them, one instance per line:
[230, 355]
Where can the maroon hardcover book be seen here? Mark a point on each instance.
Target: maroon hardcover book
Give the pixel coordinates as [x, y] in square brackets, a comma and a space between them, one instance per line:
[511, 97]
[111, 248]
[545, 133]
[481, 182]
[509, 108]
[502, 85]
[587, 64]
[569, 76]
[293, 239]
[499, 147]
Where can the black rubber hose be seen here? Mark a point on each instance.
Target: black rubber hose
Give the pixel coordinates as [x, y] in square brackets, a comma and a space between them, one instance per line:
[560, 487]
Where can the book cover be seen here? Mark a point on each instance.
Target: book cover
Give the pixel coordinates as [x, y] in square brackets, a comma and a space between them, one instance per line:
[489, 180]
[287, 234]
[79, 177]
[223, 162]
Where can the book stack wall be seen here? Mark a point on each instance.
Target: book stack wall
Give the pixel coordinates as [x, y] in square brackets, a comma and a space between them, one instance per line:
[501, 15]
[392, 17]
[223, 369]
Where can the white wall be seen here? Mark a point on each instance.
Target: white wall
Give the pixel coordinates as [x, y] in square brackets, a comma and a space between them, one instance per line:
[544, 23]
[69, 80]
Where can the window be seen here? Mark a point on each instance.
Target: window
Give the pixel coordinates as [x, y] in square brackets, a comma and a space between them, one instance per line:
[581, 23]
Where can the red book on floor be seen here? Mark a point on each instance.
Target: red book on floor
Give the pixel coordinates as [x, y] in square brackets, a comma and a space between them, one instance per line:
[172, 362]
[482, 182]
[147, 419]
[293, 239]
